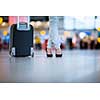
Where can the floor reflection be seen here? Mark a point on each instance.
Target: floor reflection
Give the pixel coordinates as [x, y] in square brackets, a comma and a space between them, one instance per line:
[75, 66]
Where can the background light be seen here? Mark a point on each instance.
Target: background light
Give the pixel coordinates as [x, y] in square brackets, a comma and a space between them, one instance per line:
[43, 32]
[33, 23]
[48, 23]
[38, 23]
[98, 29]
[3, 24]
[1, 20]
[82, 35]
[98, 40]
[5, 33]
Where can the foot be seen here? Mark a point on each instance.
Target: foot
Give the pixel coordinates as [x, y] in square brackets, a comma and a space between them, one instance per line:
[49, 52]
[58, 52]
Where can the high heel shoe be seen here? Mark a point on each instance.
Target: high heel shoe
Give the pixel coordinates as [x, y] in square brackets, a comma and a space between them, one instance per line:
[49, 52]
[58, 53]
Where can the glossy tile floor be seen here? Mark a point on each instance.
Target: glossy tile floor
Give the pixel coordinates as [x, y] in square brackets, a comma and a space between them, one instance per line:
[74, 67]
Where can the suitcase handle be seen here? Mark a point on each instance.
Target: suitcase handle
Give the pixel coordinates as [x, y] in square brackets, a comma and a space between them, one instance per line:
[19, 24]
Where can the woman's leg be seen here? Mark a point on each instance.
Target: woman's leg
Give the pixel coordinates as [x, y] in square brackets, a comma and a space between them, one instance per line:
[50, 40]
[49, 48]
[54, 31]
[53, 35]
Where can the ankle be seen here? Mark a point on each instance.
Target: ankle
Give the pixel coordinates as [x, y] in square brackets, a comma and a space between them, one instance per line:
[58, 51]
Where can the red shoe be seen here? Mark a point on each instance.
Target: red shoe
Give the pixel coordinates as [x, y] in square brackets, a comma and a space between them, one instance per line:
[49, 52]
[58, 53]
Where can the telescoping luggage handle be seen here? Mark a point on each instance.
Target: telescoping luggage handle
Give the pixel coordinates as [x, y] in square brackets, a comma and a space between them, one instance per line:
[23, 25]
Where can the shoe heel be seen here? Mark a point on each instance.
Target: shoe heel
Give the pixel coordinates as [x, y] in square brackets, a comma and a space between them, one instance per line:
[49, 55]
[58, 55]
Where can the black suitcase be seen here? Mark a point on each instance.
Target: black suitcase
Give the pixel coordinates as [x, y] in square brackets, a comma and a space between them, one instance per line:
[21, 39]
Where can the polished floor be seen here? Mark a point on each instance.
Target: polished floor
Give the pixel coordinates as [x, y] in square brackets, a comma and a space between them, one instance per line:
[74, 67]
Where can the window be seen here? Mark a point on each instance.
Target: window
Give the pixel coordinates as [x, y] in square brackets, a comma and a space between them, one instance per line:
[79, 22]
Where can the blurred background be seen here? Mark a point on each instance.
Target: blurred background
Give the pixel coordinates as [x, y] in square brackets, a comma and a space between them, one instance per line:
[80, 44]
[76, 32]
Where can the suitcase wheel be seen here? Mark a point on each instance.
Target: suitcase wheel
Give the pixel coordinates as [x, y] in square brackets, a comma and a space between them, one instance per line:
[32, 55]
[32, 52]
[13, 51]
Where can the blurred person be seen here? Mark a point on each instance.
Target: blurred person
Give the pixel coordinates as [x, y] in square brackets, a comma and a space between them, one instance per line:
[6, 41]
[0, 43]
[5, 44]
[70, 44]
[92, 43]
[85, 42]
[46, 42]
[37, 43]
[76, 41]
[62, 46]
[53, 38]
[98, 43]
[81, 44]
